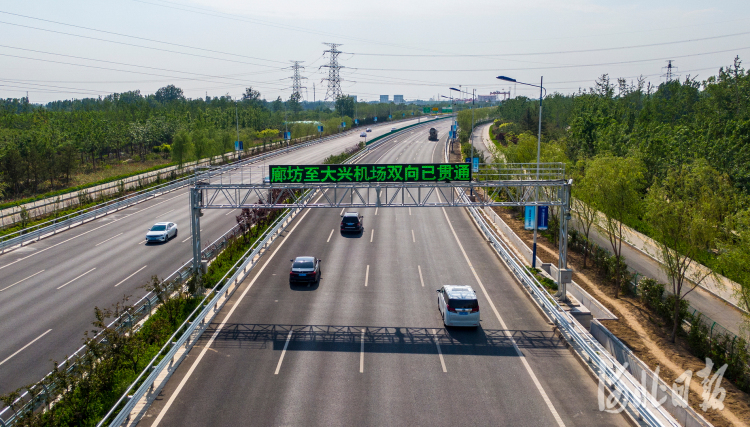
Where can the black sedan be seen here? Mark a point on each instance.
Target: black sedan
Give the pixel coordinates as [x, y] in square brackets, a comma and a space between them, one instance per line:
[305, 269]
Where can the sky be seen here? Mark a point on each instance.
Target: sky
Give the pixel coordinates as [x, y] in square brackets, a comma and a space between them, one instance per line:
[63, 49]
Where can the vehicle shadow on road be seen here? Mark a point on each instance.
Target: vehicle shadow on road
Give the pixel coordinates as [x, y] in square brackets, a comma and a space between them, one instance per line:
[353, 235]
[304, 286]
[407, 340]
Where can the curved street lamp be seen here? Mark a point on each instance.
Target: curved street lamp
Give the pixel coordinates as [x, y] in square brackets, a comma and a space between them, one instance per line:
[538, 152]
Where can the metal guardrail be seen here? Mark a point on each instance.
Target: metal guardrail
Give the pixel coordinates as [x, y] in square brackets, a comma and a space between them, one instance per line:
[195, 329]
[633, 396]
[57, 225]
[138, 312]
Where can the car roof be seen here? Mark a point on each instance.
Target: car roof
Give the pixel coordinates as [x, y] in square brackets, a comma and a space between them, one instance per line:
[351, 214]
[162, 223]
[304, 259]
[460, 292]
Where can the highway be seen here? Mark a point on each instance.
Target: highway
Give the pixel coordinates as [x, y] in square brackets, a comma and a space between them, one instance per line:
[367, 345]
[48, 290]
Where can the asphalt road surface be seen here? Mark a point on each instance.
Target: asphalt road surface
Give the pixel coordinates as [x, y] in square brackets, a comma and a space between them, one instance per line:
[367, 345]
[48, 290]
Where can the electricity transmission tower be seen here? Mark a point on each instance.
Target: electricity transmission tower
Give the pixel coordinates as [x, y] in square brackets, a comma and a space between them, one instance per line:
[334, 80]
[671, 70]
[297, 81]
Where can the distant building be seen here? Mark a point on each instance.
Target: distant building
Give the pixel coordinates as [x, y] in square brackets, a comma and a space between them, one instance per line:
[398, 99]
[486, 98]
[384, 98]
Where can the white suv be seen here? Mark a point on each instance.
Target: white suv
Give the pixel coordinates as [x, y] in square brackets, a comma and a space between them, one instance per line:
[458, 305]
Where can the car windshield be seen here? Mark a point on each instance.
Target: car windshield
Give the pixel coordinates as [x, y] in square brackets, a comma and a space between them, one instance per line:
[303, 264]
[159, 227]
[464, 303]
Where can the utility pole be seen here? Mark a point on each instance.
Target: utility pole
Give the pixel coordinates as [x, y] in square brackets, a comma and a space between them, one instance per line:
[237, 120]
[334, 79]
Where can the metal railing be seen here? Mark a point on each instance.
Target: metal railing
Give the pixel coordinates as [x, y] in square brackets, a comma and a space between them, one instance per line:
[54, 226]
[192, 331]
[634, 398]
[139, 310]
[191, 327]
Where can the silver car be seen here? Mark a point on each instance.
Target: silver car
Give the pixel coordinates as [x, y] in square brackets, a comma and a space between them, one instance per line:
[161, 232]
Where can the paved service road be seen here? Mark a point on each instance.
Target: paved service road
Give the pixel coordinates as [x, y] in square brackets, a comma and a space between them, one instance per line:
[367, 345]
[48, 290]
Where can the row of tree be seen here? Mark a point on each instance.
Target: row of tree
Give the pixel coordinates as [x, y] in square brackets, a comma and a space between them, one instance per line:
[672, 161]
[43, 146]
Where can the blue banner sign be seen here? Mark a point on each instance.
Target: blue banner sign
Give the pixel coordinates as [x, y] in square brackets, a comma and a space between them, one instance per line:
[375, 119]
[356, 121]
[543, 222]
[320, 129]
[238, 145]
[475, 167]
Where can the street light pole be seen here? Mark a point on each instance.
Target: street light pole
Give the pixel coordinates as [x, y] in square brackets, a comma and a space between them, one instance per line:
[542, 90]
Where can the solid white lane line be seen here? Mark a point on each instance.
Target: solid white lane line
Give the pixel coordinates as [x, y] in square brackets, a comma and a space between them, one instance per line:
[329, 236]
[24, 347]
[440, 352]
[137, 271]
[376, 211]
[187, 239]
[86, 232]
[224, 322]
[108, 239]
[420, 275]
[409, 211]
[412, 237]
[372, 233]
[525, 362]
[367, 275]
[8, 287]
[283, 352]
[66, 284]
[228, 213]
[362, 353]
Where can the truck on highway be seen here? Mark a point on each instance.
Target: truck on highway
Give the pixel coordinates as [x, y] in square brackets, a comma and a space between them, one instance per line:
[433, 134]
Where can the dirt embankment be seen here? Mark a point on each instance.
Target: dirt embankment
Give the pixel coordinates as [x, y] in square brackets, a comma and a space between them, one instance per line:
[643, 332]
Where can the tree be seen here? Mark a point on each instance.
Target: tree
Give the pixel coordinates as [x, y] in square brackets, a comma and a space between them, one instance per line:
[201, 146]
[277, 105]
[294, 102]
[734, 256]
[582, 206]
[181, 147]
[251, 95]
[613, 186]
[345, 106]
[168, 94]
[680, 213]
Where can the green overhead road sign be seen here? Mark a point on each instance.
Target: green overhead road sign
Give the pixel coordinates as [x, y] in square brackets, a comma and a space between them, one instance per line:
[417, 172]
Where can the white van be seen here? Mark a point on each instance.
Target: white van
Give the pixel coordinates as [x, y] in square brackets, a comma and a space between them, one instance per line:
[458, 305]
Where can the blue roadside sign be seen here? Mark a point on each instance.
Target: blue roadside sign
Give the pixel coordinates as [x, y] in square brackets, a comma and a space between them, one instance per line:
[287, 135]
[475, 165]
[543, 222]
[238, 145]
[375, 119]
[356, 121]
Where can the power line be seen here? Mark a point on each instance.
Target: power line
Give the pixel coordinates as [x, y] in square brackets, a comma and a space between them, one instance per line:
[334, 79]
[117, 63]
[556, 67]
[146, 47]
[552, 52]
[139, 38]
